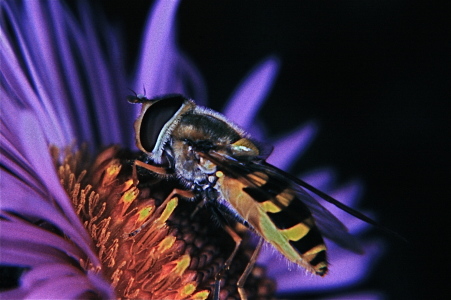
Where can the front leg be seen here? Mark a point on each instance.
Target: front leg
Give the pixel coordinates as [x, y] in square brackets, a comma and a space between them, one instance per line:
[161, 171]
[152, 168]
[173, 196]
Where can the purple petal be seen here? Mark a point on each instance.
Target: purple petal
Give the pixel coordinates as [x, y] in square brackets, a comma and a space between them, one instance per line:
[96, 90]
[37, 153]
[15, 254]
[67, 36]
[38, 193]
[346, 269]
[48, 78]
[17, 88]
[250, 95]
[322, 179]
[50, 259]
[64, 287]
[291, 146]
[18, 293]
[48, 74]
[22, 233]
[104, 95]
[157, 58]
[41, 210]
[348, 194]
[102, 286]
[48, 271]
[192, 80]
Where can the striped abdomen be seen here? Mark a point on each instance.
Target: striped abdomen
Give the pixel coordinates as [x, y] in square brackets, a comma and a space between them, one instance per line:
[275, 212]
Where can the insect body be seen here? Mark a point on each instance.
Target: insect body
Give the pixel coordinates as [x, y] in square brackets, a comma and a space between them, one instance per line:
[218, 161]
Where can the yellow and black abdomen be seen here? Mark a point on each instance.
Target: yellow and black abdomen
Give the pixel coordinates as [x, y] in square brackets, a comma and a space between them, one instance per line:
[276, 213]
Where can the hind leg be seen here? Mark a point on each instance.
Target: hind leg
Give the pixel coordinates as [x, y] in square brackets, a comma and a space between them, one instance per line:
[248, 270]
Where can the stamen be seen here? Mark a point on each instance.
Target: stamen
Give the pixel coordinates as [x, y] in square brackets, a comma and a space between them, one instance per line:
[149, 248]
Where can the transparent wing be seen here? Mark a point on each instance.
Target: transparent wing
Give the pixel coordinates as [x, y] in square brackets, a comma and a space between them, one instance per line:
[249, 170]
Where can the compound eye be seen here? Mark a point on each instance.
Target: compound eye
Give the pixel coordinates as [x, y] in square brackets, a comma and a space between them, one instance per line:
[156, 119]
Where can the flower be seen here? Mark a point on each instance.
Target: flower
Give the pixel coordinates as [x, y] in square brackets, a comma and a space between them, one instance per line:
[63, 82]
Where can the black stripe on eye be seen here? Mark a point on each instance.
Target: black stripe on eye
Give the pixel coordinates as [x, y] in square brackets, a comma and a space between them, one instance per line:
[311, 239]
[293, 214]
[155, 117]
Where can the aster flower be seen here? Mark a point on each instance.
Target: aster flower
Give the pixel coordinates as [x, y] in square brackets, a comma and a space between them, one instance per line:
[62, 219]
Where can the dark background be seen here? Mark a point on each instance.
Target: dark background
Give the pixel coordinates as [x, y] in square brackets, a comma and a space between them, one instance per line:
[374, 75]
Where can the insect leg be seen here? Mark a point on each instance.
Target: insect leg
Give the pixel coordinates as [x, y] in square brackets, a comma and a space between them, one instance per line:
[182, 193]
[237, 239]
[175, 193]
[154, 169]
[198, 207]
[248, 270]
[135, 174]
[151, 168]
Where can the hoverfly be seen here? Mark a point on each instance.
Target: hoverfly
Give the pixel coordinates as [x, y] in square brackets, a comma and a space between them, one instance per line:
[220, 164]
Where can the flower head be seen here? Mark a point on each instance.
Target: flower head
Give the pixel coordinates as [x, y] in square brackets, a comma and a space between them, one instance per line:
[71, 229]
